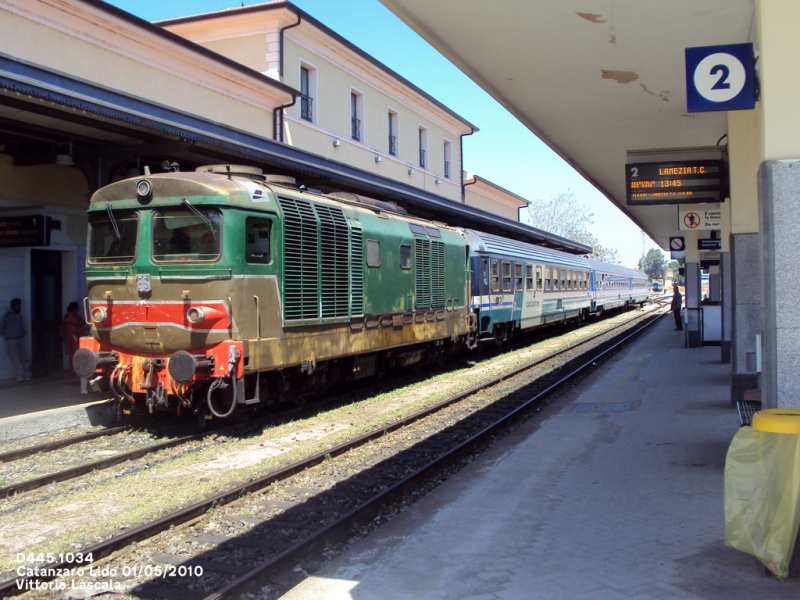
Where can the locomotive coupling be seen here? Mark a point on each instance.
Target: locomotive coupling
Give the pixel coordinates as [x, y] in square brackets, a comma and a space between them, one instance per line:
[182, 366]
[85, 362]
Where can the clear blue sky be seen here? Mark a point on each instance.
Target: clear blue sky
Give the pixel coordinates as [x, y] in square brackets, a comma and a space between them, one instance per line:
[503, 151]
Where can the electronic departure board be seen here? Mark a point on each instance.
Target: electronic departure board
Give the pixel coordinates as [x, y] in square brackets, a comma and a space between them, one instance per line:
[676, 182]
[24, 231]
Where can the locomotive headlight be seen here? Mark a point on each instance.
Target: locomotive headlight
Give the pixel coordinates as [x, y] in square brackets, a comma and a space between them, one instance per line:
[195, 315]
[99, 314]
[144, 189]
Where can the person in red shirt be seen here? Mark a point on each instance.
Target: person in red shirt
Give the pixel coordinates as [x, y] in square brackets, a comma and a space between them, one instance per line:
[72, 328]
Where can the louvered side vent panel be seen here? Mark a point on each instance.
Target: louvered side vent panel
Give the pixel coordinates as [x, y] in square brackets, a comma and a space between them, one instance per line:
[437, 274]
[334, 262]
[422, 272]
[356, 269]
[301, 260]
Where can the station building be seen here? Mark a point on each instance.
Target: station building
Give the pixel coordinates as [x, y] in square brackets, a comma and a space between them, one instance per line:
[606, 87]
[90, 94]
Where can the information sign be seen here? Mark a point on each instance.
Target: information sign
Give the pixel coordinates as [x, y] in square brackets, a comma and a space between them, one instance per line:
[690, 220]
[24, 231]
[710, 259]
[711, 244]
[677, 182]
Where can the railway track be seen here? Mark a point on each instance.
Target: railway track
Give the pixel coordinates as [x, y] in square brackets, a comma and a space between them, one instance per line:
[221, 549]
[119, 457]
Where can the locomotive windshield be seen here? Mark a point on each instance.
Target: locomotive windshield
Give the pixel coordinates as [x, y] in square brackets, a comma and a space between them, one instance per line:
[112, 236]
[186, 233]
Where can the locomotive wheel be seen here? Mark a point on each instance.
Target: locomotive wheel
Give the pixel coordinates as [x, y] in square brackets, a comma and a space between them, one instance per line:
[201, 413]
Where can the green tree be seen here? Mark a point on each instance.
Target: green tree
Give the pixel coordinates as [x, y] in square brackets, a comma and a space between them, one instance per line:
[565, 216]
[654, 264]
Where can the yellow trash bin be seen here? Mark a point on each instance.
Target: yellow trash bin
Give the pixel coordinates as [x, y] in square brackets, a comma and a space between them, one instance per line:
[762, 488]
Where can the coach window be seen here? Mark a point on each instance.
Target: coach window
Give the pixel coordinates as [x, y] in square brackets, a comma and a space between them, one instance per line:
[373, 253]
[538, 278]
[517, 277]
[405, 256]
[547, 279]
[529, 277]
[506, 276]
[495, 275]
[569, 279]
[563, 273]
[258, 242]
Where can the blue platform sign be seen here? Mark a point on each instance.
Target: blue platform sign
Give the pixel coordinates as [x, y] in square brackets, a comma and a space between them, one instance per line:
[720, 78]
[709, 244]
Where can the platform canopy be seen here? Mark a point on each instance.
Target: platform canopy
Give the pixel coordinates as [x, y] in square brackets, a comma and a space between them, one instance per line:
[596, 81]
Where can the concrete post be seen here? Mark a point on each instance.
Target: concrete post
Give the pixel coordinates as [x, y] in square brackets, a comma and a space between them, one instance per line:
[746, 310]
[693, 334]
[727, 306]
[779, 206]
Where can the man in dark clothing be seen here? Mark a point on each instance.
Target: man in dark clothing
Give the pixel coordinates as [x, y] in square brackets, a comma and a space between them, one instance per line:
[677, 302]
[13, 329]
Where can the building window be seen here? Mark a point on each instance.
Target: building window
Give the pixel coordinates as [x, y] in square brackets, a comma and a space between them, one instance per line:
[392, 133]
[447, 159]
[308, 90]
[423, 145]
[305, 99]
[356, 115]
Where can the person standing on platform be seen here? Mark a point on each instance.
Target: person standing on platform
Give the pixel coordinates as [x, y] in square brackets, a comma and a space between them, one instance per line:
[677, 303]
[72, 328]
[13, 329]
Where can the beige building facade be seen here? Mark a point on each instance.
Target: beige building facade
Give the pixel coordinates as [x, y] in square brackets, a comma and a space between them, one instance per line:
[485, 195]
[353, 109]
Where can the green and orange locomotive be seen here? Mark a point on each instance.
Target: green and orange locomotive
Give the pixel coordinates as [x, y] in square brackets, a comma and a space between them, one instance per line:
[224, 289]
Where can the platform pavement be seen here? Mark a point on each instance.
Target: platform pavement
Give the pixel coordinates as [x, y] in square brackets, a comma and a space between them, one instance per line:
[47, 404]
[588, 501]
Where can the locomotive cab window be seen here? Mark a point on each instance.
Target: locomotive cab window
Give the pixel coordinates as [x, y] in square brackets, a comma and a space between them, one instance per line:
[373, 253]
[112, 236]
[183, 234]
[405, 256]
[258, 240]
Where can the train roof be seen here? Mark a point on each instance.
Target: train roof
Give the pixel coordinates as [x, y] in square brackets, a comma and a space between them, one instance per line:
[495, 244]
[604, 267]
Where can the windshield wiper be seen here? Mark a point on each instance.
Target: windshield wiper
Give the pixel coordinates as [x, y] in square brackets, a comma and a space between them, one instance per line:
[205, 219]
[113, 220]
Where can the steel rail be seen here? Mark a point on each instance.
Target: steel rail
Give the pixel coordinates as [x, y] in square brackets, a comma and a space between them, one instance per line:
[368, 509]
[147, 530]
[50, 446]
[98, 465]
